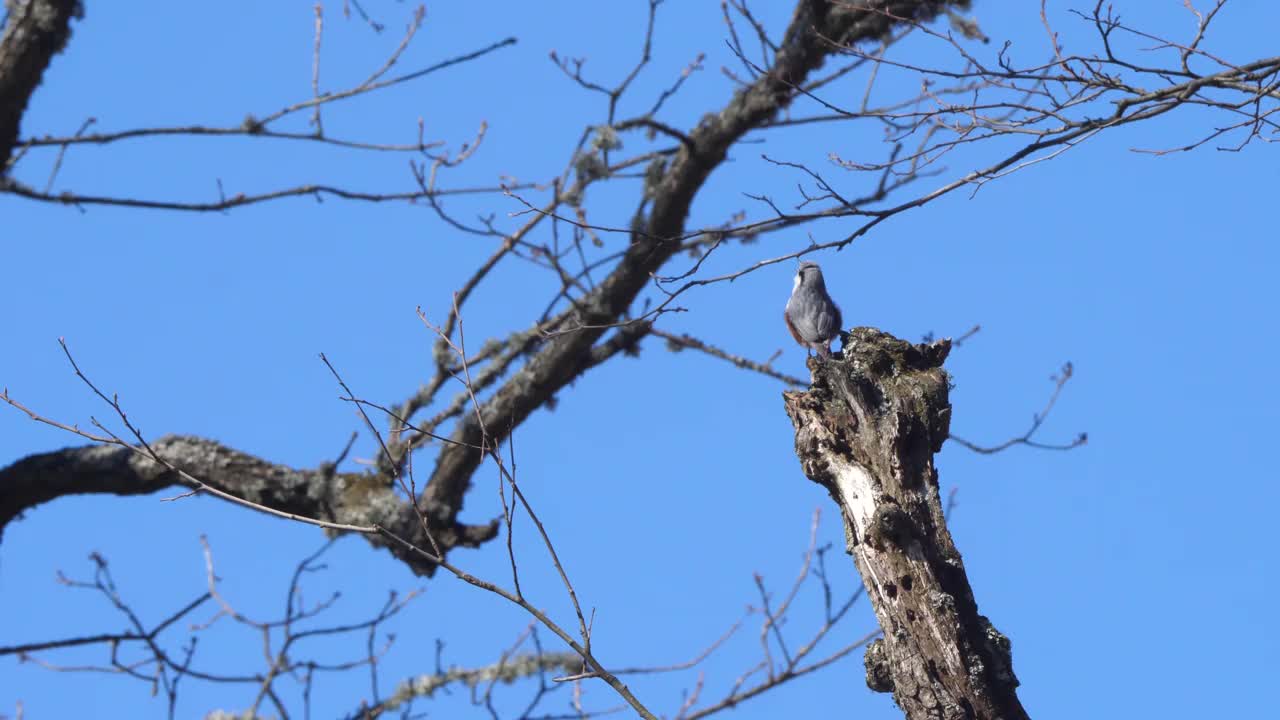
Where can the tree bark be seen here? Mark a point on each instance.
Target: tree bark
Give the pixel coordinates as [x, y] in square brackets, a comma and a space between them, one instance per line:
[867, 430]
[321, 493]
[34, 32]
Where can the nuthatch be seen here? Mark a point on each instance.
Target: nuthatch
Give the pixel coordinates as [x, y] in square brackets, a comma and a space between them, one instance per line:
[812, 316]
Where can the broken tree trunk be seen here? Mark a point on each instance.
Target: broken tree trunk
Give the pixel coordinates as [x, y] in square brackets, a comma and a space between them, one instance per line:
[867, 430]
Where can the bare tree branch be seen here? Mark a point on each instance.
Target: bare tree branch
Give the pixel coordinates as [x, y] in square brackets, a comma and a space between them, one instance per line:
[34, 32]
[658, 235]
[341, 499]
[1028, 438]
[681, 342]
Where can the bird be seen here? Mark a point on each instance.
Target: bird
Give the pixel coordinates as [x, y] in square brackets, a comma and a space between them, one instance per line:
[812, 317]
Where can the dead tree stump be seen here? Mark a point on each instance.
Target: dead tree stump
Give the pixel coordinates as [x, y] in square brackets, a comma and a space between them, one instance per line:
[867, 430]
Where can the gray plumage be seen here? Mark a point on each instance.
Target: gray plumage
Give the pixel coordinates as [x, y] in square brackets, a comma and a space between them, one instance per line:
[812, 316]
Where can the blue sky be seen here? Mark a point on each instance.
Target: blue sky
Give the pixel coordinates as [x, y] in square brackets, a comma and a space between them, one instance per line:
[1133, 574]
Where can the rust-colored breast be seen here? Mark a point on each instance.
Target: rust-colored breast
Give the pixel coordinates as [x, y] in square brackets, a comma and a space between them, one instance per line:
[786, 316]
